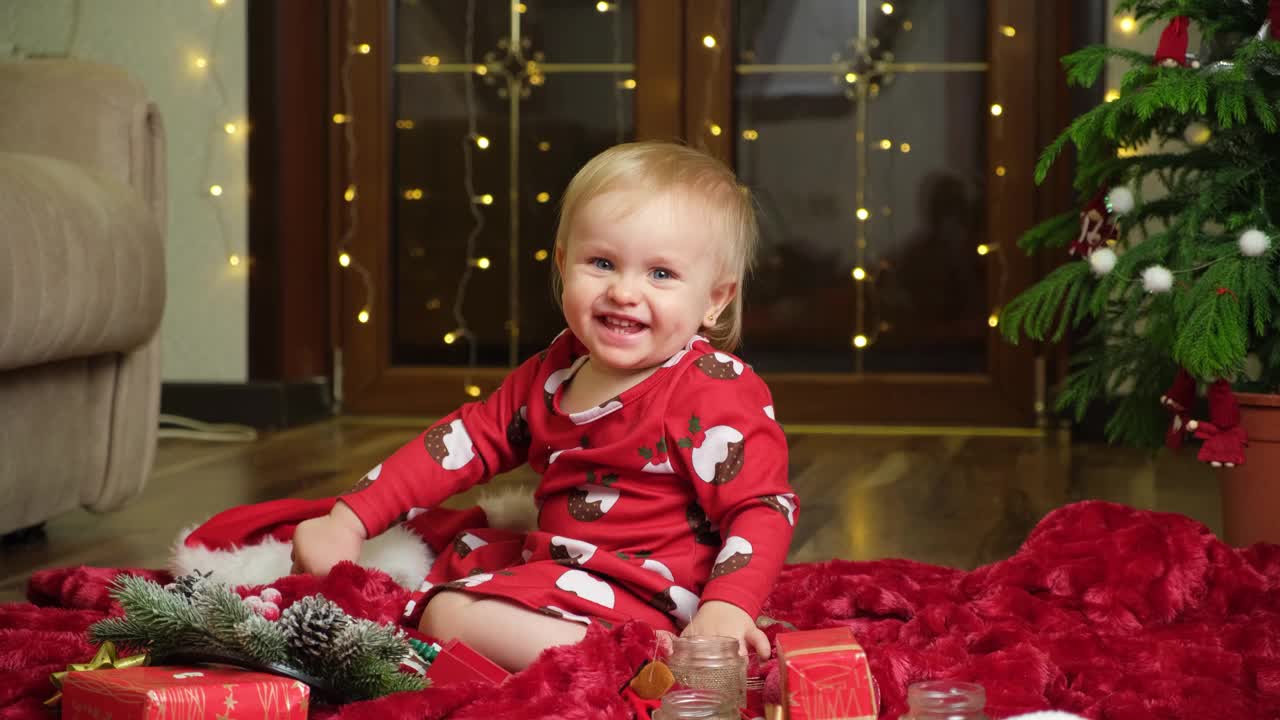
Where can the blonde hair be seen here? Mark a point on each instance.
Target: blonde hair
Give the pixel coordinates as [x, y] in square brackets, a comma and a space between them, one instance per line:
[668, 167]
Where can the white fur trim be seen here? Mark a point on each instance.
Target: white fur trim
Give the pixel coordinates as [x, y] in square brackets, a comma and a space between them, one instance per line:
[398, 552]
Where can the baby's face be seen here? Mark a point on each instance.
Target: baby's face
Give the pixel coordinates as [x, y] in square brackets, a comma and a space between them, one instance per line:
[642, 273]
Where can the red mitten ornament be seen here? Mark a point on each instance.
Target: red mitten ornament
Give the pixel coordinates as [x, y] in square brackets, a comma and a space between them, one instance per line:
[1096, 227]
[1224, 439]
[1172, 50]
[1178, 400]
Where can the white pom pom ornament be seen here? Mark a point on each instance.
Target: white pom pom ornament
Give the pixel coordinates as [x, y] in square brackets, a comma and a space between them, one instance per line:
[1102, 260]
[1157, 279]
[1254, 242]
[1120, 200]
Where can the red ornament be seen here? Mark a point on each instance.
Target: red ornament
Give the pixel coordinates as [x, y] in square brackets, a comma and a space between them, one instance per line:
[1224, 439]
[1096, 228]
[1273, 14]
[1172, 50]
[1178, 400]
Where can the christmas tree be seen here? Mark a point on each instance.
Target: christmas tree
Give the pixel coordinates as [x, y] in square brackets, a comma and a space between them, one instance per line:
[1173, 281]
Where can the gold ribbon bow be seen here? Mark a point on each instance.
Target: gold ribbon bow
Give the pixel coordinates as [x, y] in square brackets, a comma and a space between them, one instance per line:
[105, 659]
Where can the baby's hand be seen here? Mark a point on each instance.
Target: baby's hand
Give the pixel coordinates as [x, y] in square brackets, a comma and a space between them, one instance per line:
[320, 543]
[716, 617]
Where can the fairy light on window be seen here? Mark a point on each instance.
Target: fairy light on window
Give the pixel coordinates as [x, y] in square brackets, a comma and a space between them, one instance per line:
[708, 41]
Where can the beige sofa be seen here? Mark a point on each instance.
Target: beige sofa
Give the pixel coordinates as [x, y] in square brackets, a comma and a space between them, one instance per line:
[82, 288]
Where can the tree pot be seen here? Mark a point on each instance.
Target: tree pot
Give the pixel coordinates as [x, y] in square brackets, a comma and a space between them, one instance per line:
[1251, 492]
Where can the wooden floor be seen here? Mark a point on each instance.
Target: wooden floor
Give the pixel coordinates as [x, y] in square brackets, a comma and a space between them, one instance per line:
[958, 499]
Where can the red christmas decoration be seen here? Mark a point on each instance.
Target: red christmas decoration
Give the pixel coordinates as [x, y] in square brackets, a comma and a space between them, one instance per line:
[1172, 50]
[1273, 14]
[1096, 228]
[1178, 400]
[1224, 439]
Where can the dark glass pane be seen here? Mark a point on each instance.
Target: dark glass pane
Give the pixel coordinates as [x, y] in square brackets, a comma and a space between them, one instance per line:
[564, 116]
[918, 169]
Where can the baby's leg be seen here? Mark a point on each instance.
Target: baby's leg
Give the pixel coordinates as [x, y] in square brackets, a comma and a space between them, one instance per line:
[504, 632]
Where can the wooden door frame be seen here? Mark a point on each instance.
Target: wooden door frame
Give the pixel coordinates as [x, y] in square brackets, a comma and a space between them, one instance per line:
[1008, 394]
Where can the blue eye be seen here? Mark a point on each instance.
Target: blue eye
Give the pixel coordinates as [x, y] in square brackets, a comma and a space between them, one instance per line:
[601, 264]
[662, 274]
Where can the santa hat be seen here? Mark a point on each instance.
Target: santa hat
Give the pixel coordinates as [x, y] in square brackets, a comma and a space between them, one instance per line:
[253, 544]
[1172, 49]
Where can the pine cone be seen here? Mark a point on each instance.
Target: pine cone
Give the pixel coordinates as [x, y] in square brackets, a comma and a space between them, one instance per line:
[310, 626]
[185, 585]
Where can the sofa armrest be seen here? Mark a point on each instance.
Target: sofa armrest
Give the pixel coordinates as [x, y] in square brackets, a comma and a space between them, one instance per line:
[81, 263]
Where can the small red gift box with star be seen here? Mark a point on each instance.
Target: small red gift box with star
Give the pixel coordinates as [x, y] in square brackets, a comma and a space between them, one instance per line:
[825, 675]
[189, 693]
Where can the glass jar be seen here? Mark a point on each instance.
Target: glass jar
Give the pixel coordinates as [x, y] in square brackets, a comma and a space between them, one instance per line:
[695, 705]
[946, 700]
[710, 662]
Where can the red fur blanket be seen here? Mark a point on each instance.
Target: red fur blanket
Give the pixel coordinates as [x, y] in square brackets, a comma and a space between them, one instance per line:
[1105, 611]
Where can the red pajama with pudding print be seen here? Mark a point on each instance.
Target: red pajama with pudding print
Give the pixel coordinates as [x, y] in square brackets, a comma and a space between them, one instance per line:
[671, 494]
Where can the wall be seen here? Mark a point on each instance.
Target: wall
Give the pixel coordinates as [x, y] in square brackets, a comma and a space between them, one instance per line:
[205, 330]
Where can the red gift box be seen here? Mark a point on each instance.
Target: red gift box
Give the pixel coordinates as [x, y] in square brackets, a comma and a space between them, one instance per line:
[189, 693]
[824, 675]
[458, 662]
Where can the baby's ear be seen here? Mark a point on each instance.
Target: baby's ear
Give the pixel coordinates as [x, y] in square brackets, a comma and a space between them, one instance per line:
[722, 294]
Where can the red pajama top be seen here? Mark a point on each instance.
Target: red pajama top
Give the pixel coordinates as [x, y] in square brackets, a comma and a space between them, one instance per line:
[672, 493]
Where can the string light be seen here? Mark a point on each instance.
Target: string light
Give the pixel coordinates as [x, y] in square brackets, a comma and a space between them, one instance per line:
[1000, 171]
[886, 144]
[708, 41]
[860, 341]
[201, 62]
[215, 190]
[983, 249]
[522, 8]
[851, 78]
[404, 124]
[219, 3]
[715, 129]
[859, 274]
[906, 147]
[544, 197]
[344, 119]
[629, 83]
[750, 135]
[887, 8]
[1127, 24]
[473, 390]
[230, 128]
[482, 70]
[1008, 30]
[483, 263]
[540, 255]
[451, 337]
[234, 260]
[993, 319]
[413, 194]
[602, 6]
[997, 109]
[431, 61]
[863, 214]
[1112, 95]
[485, 199]
[544, 146]
[482, 142]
